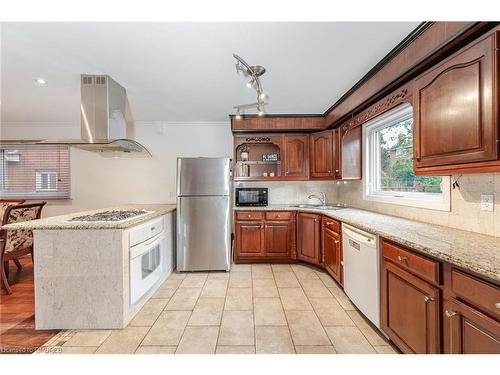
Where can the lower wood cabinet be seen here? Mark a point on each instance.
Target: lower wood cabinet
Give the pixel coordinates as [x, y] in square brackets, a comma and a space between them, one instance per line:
[471, 313]
[308, 237]
[249, 239]
[331, 248]
[410, 308]
[469, 331]
[264, 236]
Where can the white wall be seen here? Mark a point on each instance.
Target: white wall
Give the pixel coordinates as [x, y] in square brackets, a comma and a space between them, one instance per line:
[102, 182]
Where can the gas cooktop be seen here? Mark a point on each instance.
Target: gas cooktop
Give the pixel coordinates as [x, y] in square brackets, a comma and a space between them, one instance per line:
[114, 215]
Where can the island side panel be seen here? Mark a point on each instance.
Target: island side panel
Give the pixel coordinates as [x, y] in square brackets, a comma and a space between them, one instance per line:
[79, 278]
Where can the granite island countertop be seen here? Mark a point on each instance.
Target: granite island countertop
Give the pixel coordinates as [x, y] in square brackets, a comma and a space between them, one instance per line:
[62, 221]
[475, 252]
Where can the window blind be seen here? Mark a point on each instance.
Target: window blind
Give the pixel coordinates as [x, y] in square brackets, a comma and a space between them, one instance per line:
[34, 171]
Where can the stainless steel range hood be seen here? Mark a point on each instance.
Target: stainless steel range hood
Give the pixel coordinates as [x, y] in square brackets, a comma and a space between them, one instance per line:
[106, 121]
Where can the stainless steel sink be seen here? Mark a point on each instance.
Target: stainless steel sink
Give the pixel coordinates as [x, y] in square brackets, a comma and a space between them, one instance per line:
[320, 207]
[330, 207]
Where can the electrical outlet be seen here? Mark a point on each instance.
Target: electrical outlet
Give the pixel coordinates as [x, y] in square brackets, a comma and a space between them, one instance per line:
[487, 202]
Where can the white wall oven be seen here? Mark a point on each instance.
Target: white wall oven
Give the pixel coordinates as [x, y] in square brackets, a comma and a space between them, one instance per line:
[148, 260]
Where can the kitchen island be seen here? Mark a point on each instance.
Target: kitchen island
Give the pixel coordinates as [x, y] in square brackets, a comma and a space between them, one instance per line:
[95, 274]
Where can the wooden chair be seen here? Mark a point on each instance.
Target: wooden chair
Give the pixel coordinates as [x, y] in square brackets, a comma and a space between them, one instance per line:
[4, 203]
[16, 243]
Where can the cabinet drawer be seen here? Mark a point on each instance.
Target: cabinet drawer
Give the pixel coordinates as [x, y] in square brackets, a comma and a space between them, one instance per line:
[476, 291]
[422, 266]
[280, 215]
[331, 224]
[249, 215]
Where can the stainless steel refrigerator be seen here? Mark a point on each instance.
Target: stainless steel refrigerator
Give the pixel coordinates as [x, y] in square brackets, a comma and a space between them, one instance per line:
[203, 214]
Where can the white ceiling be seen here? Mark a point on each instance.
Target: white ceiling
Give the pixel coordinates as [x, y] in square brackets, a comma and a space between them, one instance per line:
[185, 71]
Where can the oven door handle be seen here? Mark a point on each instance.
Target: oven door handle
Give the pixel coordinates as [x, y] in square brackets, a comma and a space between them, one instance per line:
[144, 247]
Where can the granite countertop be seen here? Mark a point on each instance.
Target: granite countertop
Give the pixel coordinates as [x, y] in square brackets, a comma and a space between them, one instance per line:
[61, 222]
[475, 252]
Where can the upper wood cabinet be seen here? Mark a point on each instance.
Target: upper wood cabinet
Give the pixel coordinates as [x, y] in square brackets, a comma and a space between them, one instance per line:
[321, 158]
[455, 109]
[347, 153]
[296, 156]
[308, 237]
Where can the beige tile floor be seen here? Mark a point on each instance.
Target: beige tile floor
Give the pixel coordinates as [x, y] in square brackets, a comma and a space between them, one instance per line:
[258, 308]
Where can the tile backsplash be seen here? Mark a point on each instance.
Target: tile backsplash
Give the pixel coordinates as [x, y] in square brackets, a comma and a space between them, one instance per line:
[465, 211]
[294, 192]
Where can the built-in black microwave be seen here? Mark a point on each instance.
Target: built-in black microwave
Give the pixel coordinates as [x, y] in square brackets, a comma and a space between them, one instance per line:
[251, 197]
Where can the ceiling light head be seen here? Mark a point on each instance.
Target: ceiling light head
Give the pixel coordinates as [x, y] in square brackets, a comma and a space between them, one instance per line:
[41, 81]
[260, 110]
[262, 96]
[258, 70]
[250, 83]
[238, 115]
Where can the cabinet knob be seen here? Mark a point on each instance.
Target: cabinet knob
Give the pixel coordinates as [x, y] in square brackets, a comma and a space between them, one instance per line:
[402, 258]
[329, 171]
[336, 170]
[450, 313]
[497, 305]
[249, 216]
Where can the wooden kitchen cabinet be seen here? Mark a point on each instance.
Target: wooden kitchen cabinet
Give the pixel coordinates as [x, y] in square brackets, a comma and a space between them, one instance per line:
[249, 238]
[410, 305]
[308, 237]
[331, 247]
[347, 153]
[468, 330]
[321, 155]
[278, 239]
[264, 236]
[470, 315]
[456, 111]
[296, 156]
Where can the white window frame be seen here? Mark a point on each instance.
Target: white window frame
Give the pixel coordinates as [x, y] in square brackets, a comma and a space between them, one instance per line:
[38, 180]
[371, 151]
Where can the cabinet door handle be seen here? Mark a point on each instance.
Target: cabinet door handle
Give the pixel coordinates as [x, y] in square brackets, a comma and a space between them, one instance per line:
[428, 299]
[450, 313]
[278, 216]
[402, 258]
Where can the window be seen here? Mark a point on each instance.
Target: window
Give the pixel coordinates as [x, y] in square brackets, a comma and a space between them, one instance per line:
[32, 171]
[46, 181]
[388, 150]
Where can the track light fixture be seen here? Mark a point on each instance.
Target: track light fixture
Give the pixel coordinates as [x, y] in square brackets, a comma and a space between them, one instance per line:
[253, 72]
